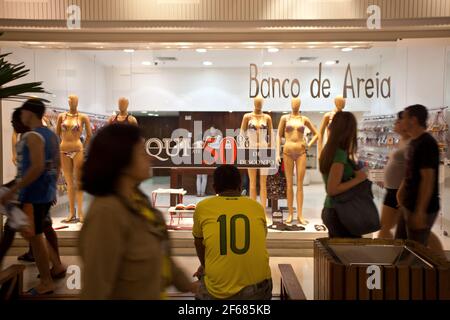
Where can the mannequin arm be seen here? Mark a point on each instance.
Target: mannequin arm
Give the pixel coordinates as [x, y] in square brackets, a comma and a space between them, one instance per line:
[58, 125]
[323, 127]
[87, 124]
[133, 121]
[270, 129]
[281, 128]
[244, 127]
[110, 120]
[313, 130]
[14, 152]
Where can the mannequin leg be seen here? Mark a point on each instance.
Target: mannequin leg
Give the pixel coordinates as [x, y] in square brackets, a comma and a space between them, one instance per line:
[204, 184]
[67, 168]
[263, 187]
[78, 163]
[199, 185]
[289, 172]
[252, 178]
[301, 170]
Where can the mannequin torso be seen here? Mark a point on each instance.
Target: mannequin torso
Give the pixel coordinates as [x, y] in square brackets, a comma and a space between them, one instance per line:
[257, 128]
[294, 130]
[70, 128]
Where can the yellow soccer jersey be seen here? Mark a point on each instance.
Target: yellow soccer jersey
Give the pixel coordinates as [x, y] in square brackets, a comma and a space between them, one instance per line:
[234, 234]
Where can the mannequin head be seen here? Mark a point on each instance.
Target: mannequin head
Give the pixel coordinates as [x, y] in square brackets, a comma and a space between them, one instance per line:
[73, 102]
[123, 104]
[258, 103]
[339, 102]
[295, 104]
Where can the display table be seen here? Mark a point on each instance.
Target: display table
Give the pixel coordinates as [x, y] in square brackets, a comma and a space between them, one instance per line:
[176, 193]
[180, 213]
[407, 270]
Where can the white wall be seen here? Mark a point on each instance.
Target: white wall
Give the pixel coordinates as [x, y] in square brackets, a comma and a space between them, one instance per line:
[209, 89]
[422, 67]
[62, 72]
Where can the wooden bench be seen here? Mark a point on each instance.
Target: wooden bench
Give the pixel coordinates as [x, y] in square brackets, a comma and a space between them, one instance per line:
[11, 282]
[290, 288]
[335, 278]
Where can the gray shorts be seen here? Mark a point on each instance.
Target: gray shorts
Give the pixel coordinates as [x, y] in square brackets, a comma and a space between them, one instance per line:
[259, 291]
[419, 235]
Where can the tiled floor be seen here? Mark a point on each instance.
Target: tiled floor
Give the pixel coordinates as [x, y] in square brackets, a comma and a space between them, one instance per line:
[303, 268]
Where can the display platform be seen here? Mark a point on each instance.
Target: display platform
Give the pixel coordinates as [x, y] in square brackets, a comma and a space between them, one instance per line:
[279, 243]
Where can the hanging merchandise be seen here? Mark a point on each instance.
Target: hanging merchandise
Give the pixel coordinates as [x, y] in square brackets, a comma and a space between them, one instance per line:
[276, 184]
[438, 128]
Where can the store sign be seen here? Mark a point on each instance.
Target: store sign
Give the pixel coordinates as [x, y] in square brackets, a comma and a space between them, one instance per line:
[180, 150]
[319, 87]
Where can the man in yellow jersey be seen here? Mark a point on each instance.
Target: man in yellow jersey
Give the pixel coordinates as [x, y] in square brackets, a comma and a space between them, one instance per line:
[230, 238]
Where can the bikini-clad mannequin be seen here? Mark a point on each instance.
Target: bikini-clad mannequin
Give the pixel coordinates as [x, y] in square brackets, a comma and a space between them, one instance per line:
[69, 128]
[293, 126]
[258, 127]
[123, 116]
[339, 103]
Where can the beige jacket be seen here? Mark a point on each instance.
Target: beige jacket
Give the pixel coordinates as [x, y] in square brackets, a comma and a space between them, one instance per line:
[121, 254]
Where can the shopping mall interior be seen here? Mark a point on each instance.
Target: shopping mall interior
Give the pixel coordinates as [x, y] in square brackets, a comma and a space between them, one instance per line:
[202, 71]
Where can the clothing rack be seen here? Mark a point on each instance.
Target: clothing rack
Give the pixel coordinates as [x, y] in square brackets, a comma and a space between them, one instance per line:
[93, 115]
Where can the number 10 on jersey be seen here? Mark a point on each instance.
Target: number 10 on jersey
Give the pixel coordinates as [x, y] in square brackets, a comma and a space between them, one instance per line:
[232, 225]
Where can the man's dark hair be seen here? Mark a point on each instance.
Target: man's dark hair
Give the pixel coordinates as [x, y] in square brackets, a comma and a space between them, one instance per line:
[109, 154]
[400, 115]
[16, 121]
[227, 177]
[419, 112]
[34, 105]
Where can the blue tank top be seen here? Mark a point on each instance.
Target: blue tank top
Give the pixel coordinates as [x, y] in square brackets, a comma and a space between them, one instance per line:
[43, 189]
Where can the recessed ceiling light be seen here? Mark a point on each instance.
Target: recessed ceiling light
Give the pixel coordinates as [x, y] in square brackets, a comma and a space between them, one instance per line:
[231, 111]
[348, 49]
[273, 50]
[285, 112]
[128, 50]
[185, 47]
[207, 63]
[267, 63]
[304, 60]
[146, 63]
[330, 62]
[201, 50]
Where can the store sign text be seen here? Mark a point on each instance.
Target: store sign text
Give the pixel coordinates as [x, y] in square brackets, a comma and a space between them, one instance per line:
[319, 87]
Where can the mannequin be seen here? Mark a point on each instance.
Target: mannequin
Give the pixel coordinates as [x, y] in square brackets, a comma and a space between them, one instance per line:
[258, 127]
[339, 103]
[293, 126]
[123, 116]
[69, 128]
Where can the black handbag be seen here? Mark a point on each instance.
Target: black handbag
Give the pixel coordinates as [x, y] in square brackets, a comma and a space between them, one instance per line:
[356, 209]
